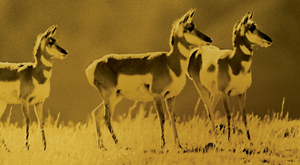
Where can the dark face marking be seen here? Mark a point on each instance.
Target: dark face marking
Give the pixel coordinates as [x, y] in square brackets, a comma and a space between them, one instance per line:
[263, 36]
[203, 37]
[63, 51]
[189, 27]
[252, 27]
[51, 41]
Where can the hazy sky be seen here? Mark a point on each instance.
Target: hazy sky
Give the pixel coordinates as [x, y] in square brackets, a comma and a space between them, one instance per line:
[91, 29]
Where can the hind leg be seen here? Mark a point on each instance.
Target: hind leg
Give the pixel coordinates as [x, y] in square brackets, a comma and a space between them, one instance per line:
[210, 102]
[2, 109]
[104, 113]
[110, 99]
[107, 116]
[99, 118]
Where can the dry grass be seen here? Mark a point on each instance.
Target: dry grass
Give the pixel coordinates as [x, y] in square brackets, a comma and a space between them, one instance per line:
[275, 140]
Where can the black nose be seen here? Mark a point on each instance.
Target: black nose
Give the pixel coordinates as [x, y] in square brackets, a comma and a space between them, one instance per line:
[64, 51]
[208, 40]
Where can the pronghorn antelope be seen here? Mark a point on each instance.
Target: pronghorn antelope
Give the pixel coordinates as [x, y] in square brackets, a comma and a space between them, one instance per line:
[223, 73]
[156, 76]
[29, 83]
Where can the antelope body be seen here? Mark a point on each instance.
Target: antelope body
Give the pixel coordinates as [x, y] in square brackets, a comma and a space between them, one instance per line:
[224, 73]
[29, 83]
[155, 76]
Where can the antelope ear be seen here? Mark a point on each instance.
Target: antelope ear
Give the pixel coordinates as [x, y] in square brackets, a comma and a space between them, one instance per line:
[251, 16]
[51, 31]
[245, 18]
[188, 17]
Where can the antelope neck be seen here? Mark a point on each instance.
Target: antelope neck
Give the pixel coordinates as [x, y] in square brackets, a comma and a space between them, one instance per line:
[43, 68]
[177, 57]
[241, 57]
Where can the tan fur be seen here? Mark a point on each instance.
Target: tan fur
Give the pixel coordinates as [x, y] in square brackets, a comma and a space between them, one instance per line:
[223, 73]
[156, 76]
[29, 83]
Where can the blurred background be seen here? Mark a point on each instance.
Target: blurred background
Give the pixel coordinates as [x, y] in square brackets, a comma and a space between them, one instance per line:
[90, 29]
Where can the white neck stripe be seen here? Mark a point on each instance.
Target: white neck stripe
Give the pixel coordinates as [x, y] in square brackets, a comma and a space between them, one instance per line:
[47, 74]
[245, 50]
[184, 51]
[46, 62]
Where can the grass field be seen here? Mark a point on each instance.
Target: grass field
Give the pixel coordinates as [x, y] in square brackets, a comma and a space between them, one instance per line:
[275, 140]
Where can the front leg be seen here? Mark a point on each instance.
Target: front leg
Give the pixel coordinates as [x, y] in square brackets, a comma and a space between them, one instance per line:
[39, 114]
[25, 110]
[170, 106]
[242, 102]
[158, 103]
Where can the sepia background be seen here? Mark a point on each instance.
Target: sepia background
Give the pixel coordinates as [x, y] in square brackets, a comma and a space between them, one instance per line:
[91, 29]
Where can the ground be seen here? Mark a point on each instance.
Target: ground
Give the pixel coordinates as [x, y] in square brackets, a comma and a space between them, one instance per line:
[275, 140]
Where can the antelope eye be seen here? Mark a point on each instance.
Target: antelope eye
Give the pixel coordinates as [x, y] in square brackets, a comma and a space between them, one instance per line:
[190, 26]
[51, 41]
[252, 27]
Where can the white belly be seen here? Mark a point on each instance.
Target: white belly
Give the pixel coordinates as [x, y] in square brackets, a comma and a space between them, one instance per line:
[133, 87]
[10, 92]
[239, 84]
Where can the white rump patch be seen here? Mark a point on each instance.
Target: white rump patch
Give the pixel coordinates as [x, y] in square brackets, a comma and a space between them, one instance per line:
[90, 71]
